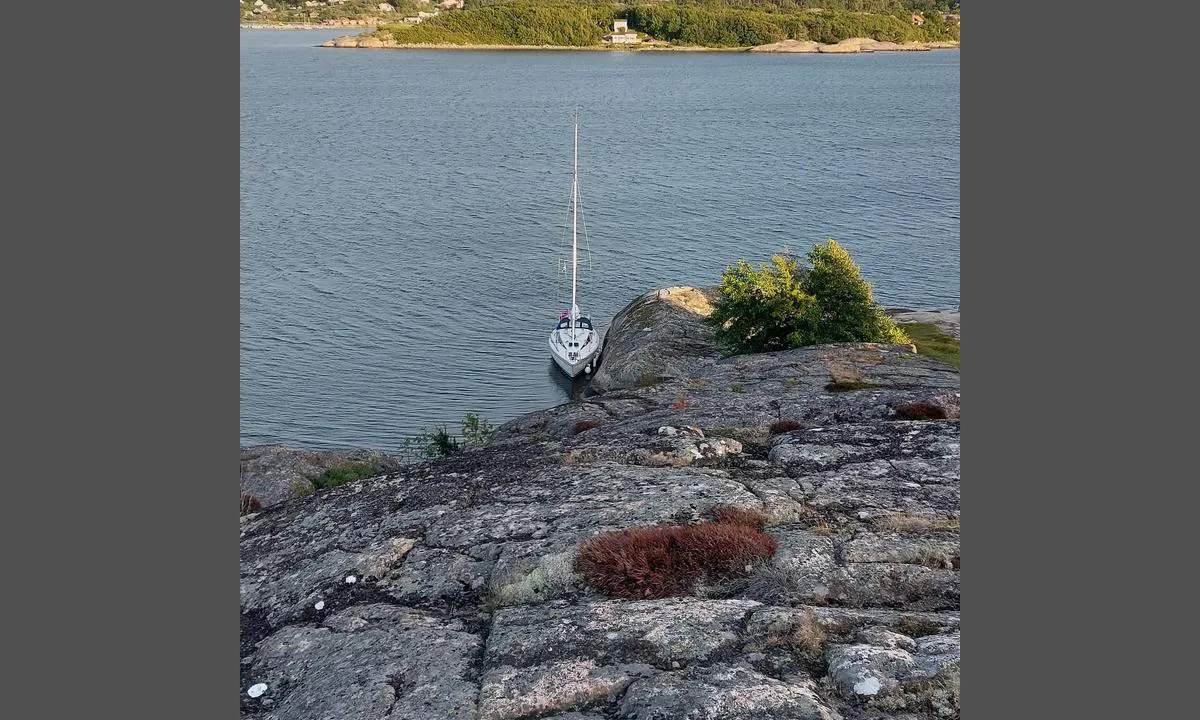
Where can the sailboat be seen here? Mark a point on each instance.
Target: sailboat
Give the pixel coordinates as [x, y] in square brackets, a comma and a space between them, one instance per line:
[574, 342]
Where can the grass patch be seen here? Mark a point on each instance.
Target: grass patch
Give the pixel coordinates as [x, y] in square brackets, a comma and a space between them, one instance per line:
[648, 379]
[344, 473]
[932, 342]
[806, 635]
[906, 522]
[916, 626]
[736, 387]
[938, 696]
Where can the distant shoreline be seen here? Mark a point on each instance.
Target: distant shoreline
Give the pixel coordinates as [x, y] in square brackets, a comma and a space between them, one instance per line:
[364, 39]
[849, 46]
[304, 26]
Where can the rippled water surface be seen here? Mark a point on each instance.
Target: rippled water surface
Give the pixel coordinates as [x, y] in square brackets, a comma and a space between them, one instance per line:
[404, 213]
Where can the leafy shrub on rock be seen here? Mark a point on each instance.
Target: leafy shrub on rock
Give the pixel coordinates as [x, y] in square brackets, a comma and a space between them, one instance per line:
[439, 442]
[785, 305]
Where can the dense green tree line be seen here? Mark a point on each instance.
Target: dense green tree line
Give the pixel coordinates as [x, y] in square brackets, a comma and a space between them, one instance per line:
[709, 25]
[848, 5]
[522, 23]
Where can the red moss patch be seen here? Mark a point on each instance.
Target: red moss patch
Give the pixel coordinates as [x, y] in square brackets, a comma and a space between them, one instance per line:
[681, 403]
[250, 504]
[665, 560]
[738, 516]
[921, 411]
[782, 426]
[584, 425]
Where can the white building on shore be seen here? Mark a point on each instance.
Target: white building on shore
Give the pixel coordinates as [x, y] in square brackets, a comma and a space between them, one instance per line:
[621, 34]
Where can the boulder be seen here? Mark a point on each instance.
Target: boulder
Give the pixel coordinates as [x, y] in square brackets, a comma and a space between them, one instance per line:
[659, 336]
[272, 474]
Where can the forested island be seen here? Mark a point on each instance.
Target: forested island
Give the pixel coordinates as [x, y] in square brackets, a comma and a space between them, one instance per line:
[771, 25]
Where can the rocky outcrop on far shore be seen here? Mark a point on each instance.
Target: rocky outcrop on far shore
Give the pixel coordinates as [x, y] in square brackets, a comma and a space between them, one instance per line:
[849, 45]
[450, 589]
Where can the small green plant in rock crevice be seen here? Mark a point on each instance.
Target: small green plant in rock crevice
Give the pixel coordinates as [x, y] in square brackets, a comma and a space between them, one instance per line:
[438, 442]
[344, 473]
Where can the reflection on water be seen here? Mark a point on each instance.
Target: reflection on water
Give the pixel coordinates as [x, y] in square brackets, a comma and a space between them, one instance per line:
[573, 388]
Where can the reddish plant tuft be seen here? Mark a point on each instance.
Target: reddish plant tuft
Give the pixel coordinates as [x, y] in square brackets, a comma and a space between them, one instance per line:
[681, 403]
[782, 426]
[584, 425]
[250, 504]
[664, 560]
[738, 516]
[921, 411]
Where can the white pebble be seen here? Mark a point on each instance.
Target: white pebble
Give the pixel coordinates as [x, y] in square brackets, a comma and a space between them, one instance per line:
[320, 605]
[256, 690]
[350, 579]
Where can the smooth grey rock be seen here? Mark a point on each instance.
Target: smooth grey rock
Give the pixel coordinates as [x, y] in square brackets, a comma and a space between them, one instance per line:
[722, 693]
[367, 662]
[921, 678]
[935, 550]
[513, 693]
[882, 637]
[652, 632]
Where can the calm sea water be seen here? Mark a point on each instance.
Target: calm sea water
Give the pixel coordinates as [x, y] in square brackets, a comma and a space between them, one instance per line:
[404, 213]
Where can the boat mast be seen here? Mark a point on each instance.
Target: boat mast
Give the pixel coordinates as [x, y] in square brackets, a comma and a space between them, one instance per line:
[574, 227]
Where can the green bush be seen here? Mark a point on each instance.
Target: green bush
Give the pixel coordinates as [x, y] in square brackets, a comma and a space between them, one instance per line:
[438, 442]
[784, 305]
[476, 430]
[846, 310]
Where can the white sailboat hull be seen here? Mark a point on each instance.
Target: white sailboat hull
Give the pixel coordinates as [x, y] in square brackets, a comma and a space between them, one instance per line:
[575, 368]
[575, 360]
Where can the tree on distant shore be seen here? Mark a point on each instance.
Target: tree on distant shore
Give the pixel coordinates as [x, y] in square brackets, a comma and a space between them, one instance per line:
[785, 305]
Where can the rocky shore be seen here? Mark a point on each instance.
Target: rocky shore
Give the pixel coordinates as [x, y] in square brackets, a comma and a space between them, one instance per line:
[449, 589]
[850, 45]
[327, 25]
